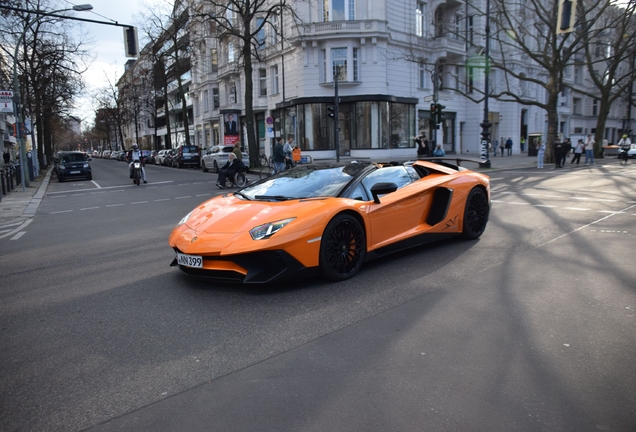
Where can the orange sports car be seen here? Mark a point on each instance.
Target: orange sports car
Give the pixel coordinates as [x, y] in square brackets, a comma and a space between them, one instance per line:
[329, 219]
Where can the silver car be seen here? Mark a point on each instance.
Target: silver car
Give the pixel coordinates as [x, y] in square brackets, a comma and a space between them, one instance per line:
[216, 156]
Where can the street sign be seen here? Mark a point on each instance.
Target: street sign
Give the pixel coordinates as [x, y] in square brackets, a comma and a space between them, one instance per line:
[269, 120]
[6, 101]
[428, 98]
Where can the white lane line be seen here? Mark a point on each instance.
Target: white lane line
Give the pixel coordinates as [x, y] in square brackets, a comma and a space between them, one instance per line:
[12, 224]
[163, 199]
[611, 211]
[114, 205]
[203, 195]
[18, 235]
[89, 208]
[62, 211]
[78, 194]
[96, 184]
[18, 229]
[545, 205]
[139, 202]
[576, 208]
[181, 197]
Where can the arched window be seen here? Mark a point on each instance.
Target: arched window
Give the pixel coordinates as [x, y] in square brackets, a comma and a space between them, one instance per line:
[439, 21]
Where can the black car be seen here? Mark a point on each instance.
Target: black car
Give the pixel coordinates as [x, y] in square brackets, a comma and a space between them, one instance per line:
[186, 156]
[71, 165]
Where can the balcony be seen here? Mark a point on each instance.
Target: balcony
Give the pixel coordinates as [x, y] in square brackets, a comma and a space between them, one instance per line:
[320, 30]
[451, 47]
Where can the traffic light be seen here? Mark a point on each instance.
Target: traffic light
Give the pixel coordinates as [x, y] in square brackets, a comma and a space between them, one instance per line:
[434, 113]
[331, 111]
[131, 45]
[566, 15]
[440, 113]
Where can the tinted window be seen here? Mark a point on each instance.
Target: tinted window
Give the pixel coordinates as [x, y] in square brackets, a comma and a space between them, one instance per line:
[394, 174]
[189, 149]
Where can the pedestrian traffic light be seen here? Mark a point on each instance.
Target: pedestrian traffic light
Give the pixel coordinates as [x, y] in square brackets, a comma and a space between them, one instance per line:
[440, 113]
[434, 113]
[331, 111]
[566, 15]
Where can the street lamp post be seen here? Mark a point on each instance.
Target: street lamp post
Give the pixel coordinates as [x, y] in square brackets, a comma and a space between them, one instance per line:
[485, 125]
[16, 88]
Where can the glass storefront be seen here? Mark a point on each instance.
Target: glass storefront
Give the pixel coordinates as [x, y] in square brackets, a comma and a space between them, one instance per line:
[363, 125]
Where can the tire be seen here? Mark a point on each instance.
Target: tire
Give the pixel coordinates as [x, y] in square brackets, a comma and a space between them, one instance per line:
[216, 167]
[342, 248]
[203, 168]
[475, 214]
[240, 179]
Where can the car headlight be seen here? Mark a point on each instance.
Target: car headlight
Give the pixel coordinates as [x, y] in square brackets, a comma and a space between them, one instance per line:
[184, 219]
[85, 165]
[265, 231]
[62, 167]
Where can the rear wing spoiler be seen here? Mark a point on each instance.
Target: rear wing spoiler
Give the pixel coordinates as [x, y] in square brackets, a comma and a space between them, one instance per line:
[445, 161]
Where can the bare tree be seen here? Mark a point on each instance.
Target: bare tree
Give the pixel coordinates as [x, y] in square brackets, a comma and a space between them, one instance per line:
[240, 26]
[111, 105]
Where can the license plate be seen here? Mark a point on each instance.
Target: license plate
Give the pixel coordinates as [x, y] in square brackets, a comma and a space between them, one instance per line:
[74, 172]
[194, 261]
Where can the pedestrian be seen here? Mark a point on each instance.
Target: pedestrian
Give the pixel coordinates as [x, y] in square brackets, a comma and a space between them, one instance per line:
[558, 153]
[287, 149]
[589, 150]
[6, 156]
[522, 142]
[578, 151]
[279, 156]
[237, 151]
[567, 147]
[439, 151]
[540, 153]
[502, 145]
[422, 145]
[509, 146]
[495, 146]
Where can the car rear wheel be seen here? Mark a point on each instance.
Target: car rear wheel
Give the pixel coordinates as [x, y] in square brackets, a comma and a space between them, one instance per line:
[475, 214]
[203, 168]
[342, 248]
[216, 167]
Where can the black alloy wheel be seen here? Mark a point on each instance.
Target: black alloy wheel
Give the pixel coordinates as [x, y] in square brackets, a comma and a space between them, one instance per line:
[475, 214]
[342, 248]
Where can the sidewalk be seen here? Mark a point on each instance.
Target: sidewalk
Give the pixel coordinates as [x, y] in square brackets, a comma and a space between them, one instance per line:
[19, 203]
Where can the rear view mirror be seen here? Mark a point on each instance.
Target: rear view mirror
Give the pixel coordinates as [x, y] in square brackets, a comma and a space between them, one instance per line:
[382, 189]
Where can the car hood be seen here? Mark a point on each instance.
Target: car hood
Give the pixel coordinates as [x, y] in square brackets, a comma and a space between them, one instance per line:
[228, 214]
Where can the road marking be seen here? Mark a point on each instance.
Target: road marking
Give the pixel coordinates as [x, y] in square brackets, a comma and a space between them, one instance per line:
[114, 205]
[62, 211]
[203, 195]
[96, 184]
[545, 205]
[163, 199]
[89, 208]
[18, 235]
[611, 211]
[18, 229]
[139, 202]
[181, 197]
[576, 208]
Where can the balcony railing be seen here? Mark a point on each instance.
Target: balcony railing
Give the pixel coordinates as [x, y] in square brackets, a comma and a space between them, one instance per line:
[369, 27]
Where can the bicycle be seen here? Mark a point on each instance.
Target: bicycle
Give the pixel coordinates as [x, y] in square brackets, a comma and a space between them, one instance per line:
[266, 168]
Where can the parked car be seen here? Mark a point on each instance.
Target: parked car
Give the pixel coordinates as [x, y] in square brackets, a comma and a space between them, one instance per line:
[167, 159]
[215, 157]
[161, 157]
[72, 164]
[186, 156]
[150, 159]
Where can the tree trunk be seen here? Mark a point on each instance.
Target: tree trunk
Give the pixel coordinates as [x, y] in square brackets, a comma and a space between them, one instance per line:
[252, 142]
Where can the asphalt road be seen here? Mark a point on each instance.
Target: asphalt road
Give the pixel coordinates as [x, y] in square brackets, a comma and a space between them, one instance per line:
[529, 328]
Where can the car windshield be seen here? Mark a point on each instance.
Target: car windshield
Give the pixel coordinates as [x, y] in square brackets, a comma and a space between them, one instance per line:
[305, 182]
[73, 158]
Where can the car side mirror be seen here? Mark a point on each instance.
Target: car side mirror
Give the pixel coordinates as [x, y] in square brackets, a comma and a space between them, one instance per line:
[381, 189]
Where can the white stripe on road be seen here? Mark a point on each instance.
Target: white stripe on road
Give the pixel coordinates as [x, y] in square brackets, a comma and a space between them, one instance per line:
[18, 235]
[114, 205]
[18, 229]
[62, 211]
[96, 184]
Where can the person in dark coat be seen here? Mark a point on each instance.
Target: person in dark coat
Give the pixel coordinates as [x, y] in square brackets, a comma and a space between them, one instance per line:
[558, 153]
[422, 145]
[229, 169]
[567, 147]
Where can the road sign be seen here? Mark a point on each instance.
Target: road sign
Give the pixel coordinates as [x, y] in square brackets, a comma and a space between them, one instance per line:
[269, 120]
[428, 98]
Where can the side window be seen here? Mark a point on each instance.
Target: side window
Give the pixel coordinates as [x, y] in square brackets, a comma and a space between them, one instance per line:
[359, 194]
[398, 175]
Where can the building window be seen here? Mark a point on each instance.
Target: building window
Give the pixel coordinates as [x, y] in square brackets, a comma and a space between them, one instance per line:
[420, 13]
[339, 63]
[204, 65]
[469, 30]
[230, 51]
[233, 92]
[577, 106]
[323, 70]
[459, 26]
[470, 79]
[273, 39]
[439, 22]
[356, 75]
[274, 74]
[216, 103]
[595, 107]
[206, 97]
[260, 37]
[423, 76]
[262, 82]
[214, 60]
[338, 10]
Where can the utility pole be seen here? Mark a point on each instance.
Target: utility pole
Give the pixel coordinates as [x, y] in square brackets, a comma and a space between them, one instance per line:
[336, 122]
[485, 125]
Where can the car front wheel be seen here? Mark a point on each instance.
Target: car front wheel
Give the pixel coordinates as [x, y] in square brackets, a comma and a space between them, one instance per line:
[216, 167]
[475, 214]
[342, 248]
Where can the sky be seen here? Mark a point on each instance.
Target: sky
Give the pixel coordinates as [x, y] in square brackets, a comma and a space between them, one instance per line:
[106, 46]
